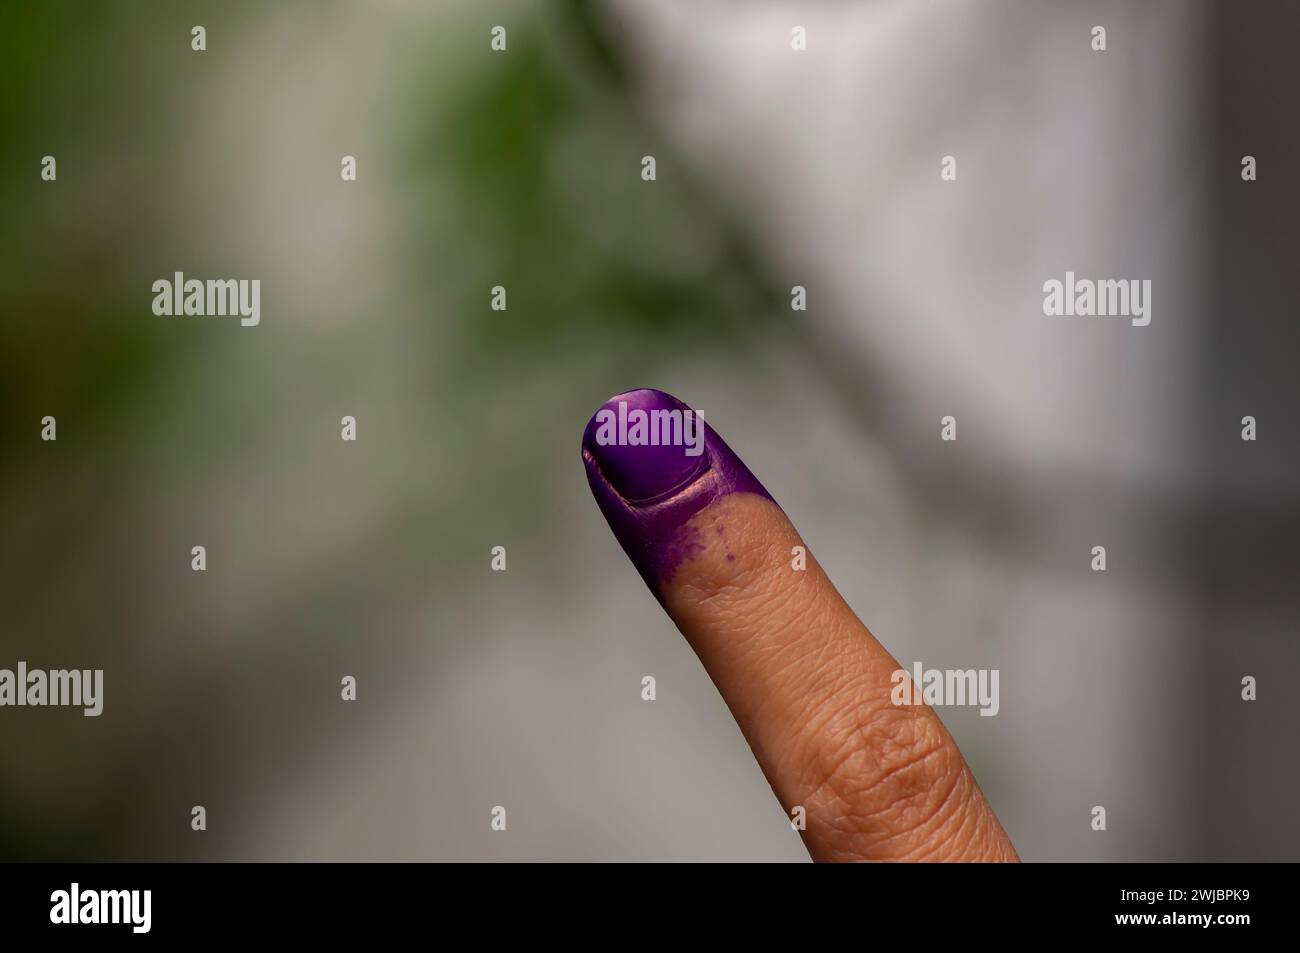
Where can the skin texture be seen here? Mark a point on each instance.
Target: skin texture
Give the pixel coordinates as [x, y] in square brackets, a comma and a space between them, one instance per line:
[806, 681]
[649, 494]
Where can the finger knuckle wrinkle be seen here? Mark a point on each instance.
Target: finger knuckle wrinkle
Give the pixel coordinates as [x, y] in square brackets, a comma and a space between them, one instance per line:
[886, 773]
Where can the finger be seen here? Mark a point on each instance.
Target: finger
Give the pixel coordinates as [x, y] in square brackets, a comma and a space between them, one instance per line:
[807, 682]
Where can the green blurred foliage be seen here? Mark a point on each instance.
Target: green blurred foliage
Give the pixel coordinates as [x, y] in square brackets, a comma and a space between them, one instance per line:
[520, 169]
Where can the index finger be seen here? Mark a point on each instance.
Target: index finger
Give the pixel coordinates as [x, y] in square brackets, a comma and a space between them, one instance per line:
[810, 687]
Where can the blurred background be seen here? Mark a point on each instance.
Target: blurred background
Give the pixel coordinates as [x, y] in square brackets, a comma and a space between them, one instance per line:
[522, 168]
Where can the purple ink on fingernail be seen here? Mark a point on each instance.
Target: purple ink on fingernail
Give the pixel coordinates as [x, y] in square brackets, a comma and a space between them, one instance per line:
[653, 463]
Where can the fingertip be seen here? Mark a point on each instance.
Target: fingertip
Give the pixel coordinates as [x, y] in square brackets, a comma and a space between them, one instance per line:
[653, 463]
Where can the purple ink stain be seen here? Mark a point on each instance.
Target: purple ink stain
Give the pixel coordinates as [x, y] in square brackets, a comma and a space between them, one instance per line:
[649, 493]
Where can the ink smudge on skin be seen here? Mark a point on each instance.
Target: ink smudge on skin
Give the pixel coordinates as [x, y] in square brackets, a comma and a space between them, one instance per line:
[649, 493]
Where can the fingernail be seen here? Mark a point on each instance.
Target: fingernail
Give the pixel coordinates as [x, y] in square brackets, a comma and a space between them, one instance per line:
[643, 471]
[653, 463]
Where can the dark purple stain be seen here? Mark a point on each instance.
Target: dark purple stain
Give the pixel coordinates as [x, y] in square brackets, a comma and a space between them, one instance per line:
[649, 493]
